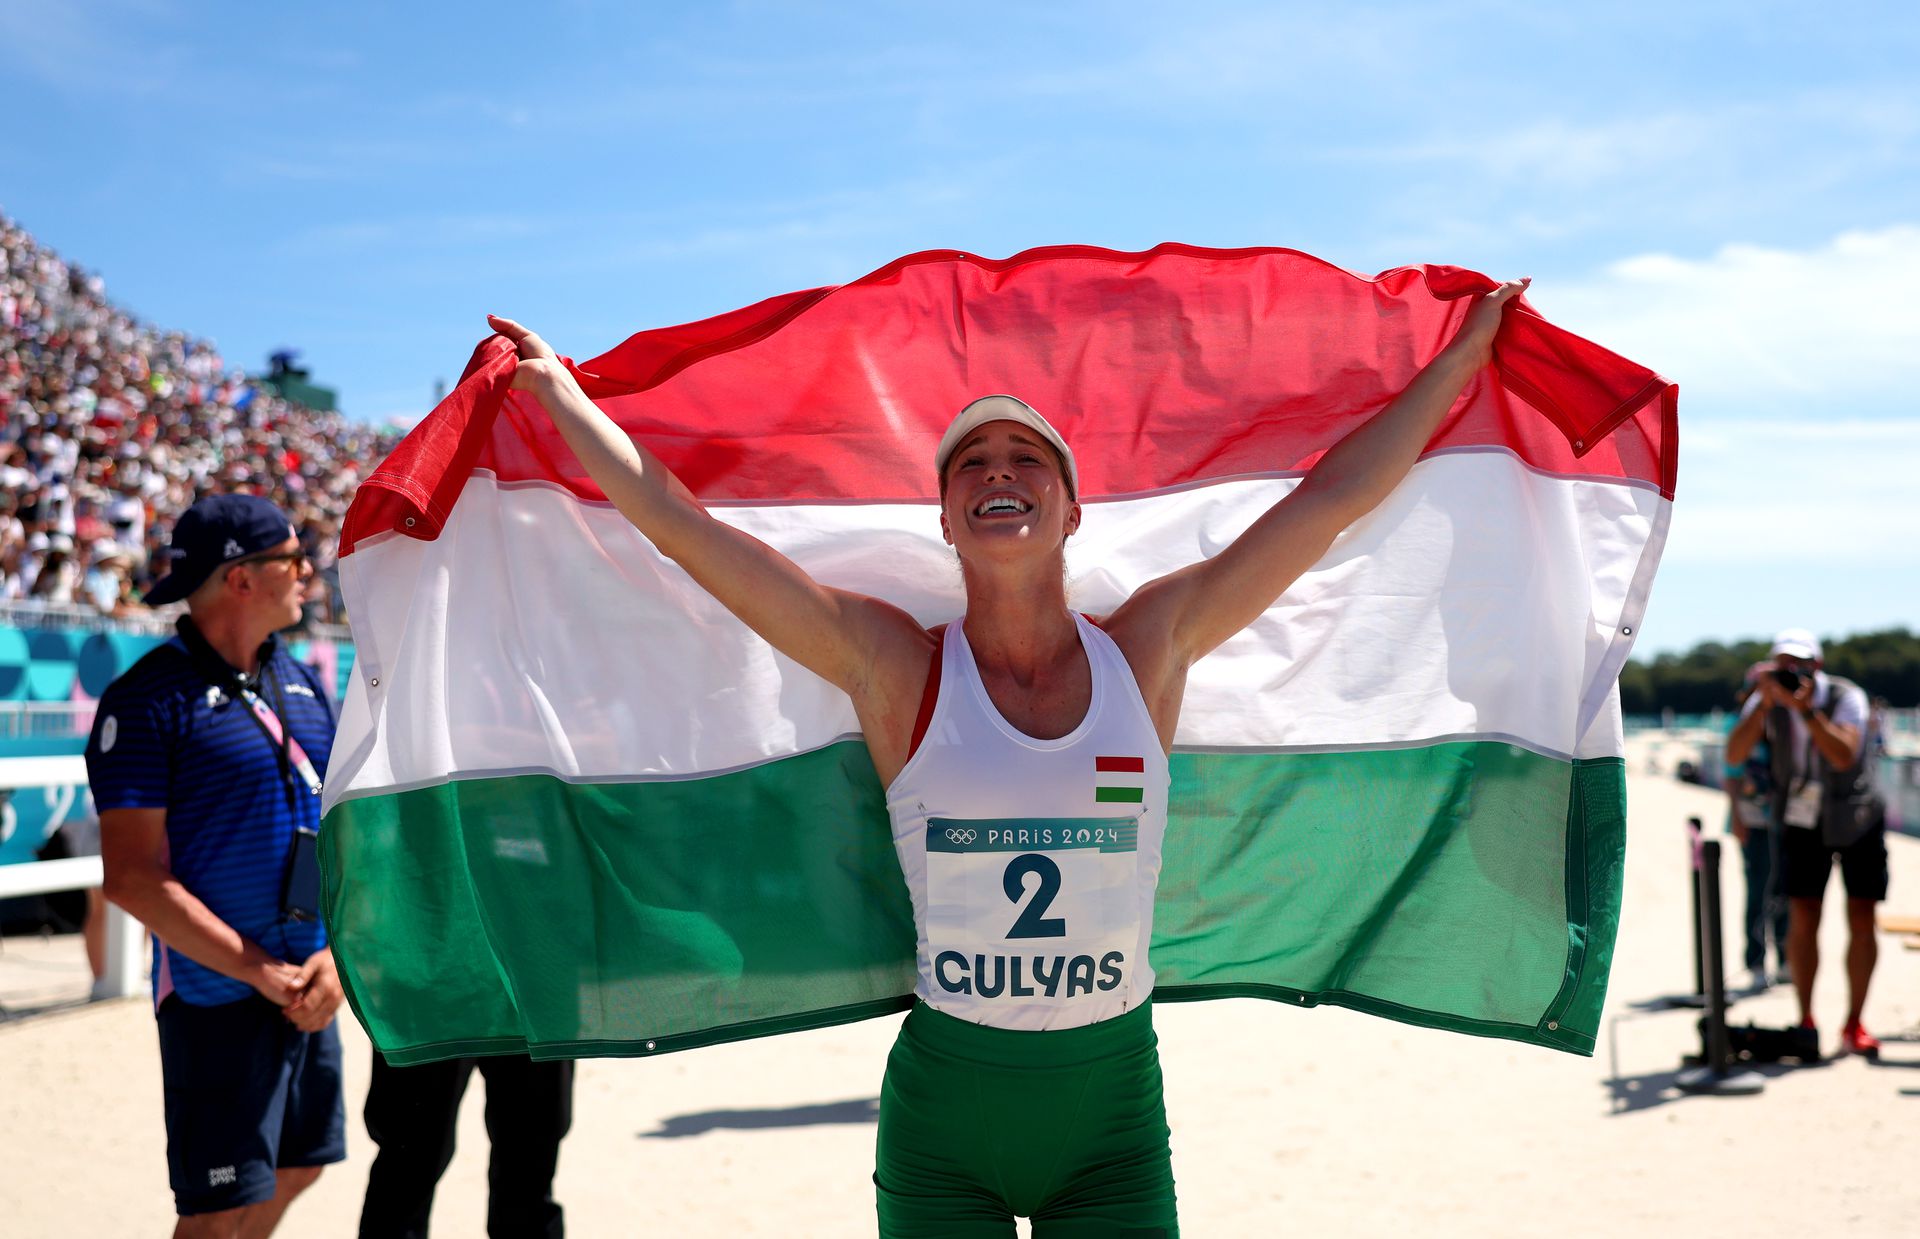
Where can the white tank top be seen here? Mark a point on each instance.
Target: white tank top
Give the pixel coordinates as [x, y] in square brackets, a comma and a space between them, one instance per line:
[1032, 863]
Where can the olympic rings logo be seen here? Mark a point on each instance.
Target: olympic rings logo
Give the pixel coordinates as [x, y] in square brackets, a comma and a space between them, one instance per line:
[956, 834]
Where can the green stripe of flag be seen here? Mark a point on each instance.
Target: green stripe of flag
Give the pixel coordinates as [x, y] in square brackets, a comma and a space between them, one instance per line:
[1119, 795]
[1472, 886]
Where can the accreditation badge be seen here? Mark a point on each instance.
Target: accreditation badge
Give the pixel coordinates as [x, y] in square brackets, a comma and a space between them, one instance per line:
[1803, 805]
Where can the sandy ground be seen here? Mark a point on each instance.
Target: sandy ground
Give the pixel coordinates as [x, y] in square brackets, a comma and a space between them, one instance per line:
[1299, 1122]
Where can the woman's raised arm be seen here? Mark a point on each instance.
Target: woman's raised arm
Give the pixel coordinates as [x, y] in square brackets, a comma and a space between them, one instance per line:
[1184, 615]
[850, 640]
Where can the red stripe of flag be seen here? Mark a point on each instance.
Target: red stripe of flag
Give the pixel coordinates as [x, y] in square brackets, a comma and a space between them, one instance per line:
[1256, 361]
[1120, 765]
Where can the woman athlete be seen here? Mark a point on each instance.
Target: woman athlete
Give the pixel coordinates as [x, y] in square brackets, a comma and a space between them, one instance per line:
[1024, 753]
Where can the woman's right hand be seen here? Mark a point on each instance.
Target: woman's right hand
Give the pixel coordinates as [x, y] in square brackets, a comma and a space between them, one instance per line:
[539, 364]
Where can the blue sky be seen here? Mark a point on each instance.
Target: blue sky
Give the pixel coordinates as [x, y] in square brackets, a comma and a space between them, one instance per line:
[1729, 193]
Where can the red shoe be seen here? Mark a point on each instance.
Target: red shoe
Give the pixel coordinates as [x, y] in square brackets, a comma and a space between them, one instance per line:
[1855, 1039]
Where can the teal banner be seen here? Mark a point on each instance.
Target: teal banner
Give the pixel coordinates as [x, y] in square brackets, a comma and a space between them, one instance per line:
[50, 677]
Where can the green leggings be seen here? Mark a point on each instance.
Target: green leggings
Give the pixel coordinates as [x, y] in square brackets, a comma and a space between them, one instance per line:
[1069, 1128]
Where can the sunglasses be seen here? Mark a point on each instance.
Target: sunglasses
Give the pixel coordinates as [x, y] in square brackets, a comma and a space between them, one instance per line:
[296, 558]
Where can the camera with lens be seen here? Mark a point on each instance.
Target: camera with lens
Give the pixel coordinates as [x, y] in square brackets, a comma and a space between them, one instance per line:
[1789, 679]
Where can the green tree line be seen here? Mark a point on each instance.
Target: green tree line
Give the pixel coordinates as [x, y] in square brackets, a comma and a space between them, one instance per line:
[1885, 663]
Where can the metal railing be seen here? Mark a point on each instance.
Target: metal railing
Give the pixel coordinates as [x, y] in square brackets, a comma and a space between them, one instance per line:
[45, 720]
[31, 614]
[126, 960]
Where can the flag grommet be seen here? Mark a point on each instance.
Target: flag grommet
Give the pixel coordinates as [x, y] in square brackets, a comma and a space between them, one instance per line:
[376, 682]
[1626, 630]
[409, 522]
[1553, 1025]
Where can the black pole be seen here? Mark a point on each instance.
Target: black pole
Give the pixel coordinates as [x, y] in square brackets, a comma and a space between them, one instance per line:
[1713, 1041]
[1695, 830]
[1715, 1072]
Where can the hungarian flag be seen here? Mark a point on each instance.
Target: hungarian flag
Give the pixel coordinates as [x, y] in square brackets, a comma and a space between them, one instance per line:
[577, 809]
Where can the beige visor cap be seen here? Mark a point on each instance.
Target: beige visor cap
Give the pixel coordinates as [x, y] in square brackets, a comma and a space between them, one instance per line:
[1004, 409]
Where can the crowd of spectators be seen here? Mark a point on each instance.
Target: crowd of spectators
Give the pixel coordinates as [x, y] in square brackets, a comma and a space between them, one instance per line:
[111, 427]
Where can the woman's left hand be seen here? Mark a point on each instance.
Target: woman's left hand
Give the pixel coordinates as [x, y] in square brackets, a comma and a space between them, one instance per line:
[1483, 320]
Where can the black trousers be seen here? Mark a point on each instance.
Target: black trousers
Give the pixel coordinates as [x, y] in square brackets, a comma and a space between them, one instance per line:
[410, 1115]
[1766, 904]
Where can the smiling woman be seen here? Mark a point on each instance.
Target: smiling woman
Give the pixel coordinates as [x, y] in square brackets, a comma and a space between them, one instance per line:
[982, 456]
[1333, 814]
[1020, 699]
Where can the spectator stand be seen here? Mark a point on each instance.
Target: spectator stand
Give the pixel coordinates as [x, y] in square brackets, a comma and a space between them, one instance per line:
[109, 429]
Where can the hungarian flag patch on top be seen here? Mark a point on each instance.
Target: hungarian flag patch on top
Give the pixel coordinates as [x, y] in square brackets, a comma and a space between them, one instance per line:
[1119, 780]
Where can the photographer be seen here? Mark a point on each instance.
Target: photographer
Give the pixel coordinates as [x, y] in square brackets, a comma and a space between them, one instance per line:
[1749, 788]
[1814, 725]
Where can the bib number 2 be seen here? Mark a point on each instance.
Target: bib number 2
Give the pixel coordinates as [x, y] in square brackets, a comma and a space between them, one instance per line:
[1033, 922]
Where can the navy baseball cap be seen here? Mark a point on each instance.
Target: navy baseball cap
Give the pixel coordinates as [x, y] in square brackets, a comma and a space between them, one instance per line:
[214, 532]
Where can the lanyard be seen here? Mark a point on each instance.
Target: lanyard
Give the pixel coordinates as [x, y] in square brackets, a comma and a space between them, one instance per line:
[283, 741]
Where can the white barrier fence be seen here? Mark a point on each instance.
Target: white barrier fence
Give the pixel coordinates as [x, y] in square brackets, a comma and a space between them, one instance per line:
[126, 960]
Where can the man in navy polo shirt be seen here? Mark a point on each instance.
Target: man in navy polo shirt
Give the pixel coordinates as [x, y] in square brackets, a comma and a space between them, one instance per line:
[205, 760]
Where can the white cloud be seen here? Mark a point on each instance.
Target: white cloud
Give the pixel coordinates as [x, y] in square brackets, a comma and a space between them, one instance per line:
[1565, 153]
[1820, 332]
[1758, 145]
[1799, 427]
[1782, 523]
[1830, 494]
[433, 233]
[86, 50]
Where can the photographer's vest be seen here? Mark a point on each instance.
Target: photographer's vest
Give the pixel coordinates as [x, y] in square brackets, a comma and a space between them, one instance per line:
[1843, 801]
[1032, 863]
